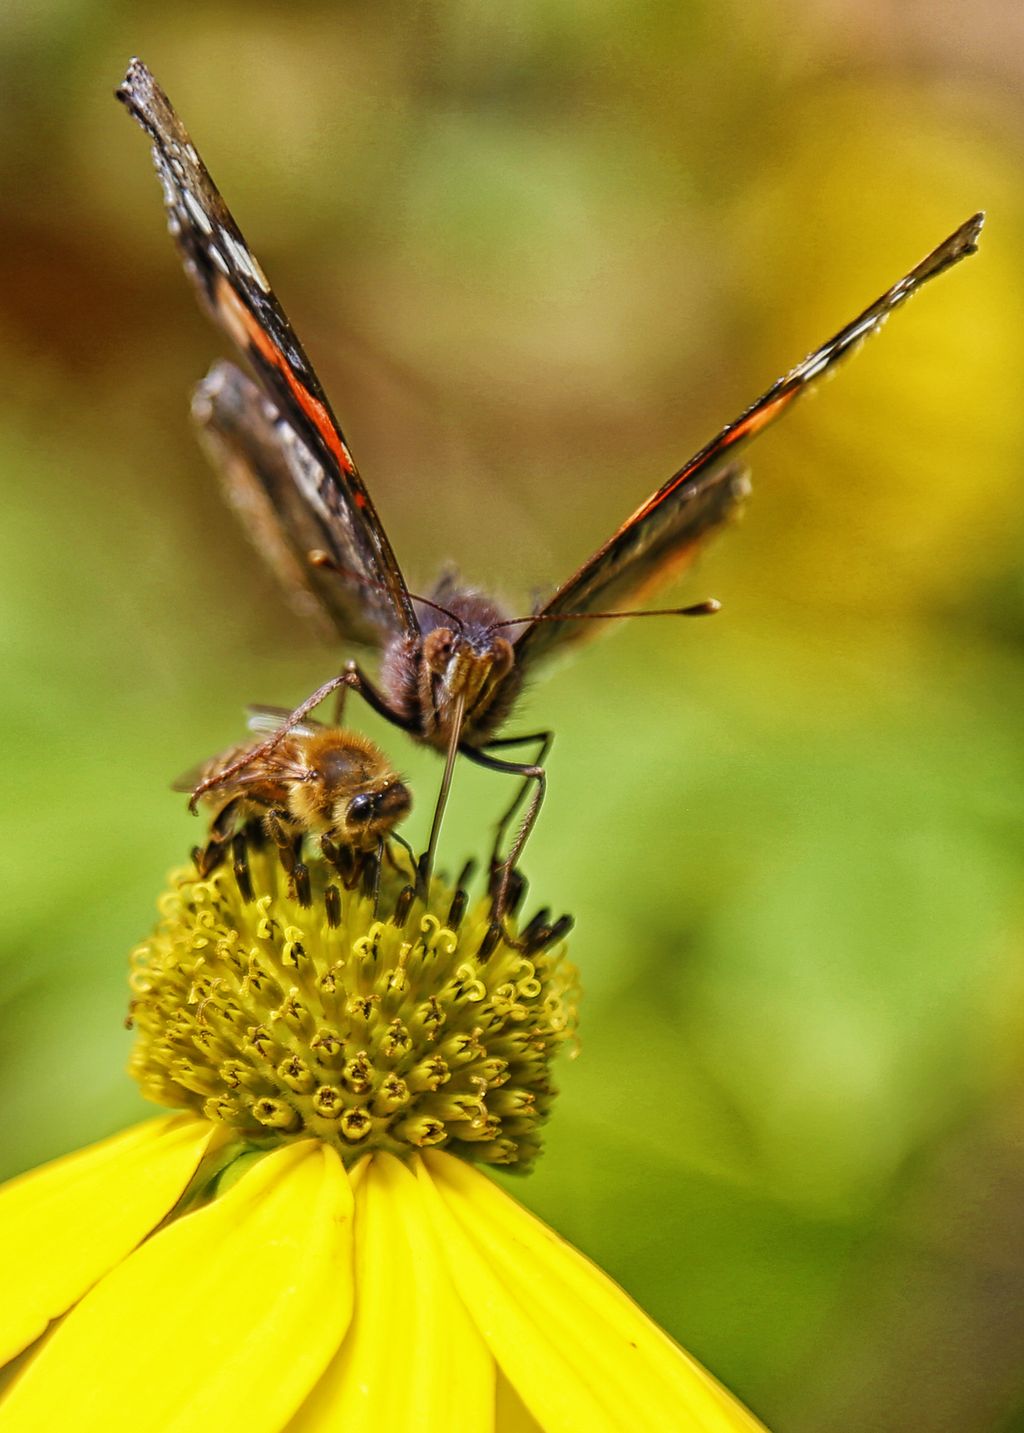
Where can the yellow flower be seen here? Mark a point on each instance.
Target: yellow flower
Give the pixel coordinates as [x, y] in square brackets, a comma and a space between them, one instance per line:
[270, 1259]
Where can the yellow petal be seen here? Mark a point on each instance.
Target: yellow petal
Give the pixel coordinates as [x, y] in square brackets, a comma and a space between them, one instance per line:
[575, 1347]
[510, 1412]
[62, 1226]
[223, 1320]
[413, 1359]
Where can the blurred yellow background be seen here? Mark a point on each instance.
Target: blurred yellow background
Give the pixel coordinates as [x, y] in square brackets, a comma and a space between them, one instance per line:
[539, 253]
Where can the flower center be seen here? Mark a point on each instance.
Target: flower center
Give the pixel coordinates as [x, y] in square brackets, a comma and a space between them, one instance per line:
[393, 1029]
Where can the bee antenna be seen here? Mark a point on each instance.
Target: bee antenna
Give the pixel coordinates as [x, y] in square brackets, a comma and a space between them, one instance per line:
[707, 608]
[318, 558]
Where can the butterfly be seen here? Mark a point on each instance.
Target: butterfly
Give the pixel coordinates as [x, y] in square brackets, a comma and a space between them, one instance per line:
[452, 663]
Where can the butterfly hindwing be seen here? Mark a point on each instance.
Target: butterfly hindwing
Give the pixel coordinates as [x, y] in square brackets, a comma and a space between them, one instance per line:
[273, 483]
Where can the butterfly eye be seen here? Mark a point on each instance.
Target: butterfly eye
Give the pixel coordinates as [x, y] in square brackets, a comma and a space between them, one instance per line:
[438, 647]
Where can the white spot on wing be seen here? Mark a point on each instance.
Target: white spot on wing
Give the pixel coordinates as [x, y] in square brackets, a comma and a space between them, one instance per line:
[244, 260]
[196, 210]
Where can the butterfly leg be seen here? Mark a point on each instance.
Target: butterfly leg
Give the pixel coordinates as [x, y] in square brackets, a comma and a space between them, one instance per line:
[258, 752]
[544, 740]
[356, 680]
[527, 773]
[352, 678]
[339, 703]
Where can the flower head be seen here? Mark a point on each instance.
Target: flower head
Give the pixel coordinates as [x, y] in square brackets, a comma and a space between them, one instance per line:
[371, 1024]
[310, 1244]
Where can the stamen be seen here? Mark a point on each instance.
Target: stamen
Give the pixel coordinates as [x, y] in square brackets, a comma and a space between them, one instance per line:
[457, 909]
[490, 942]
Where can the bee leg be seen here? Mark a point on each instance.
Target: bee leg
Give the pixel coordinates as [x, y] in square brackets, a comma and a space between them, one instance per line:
[257, 753]
[223, 828]
[342, 858]
[289, 850]
[527, 773]
[210, 856]
[297, 871]
[282, 838]
[240, 865]
[371, 877]
[517, 887]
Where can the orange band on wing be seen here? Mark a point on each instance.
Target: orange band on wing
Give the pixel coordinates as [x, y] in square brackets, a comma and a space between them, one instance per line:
[761, 416]
[744, 428]
[245, 329]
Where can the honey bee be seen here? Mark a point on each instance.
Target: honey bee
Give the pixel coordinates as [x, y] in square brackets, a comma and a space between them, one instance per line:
[319, 780]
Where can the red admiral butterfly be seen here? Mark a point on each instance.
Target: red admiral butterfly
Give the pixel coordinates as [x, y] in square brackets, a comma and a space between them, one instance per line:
[452, 664]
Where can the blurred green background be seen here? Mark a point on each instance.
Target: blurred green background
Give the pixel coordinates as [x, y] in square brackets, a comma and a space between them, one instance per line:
[539, 253]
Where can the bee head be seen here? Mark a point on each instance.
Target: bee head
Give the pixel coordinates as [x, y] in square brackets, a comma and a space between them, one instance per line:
[363, 820]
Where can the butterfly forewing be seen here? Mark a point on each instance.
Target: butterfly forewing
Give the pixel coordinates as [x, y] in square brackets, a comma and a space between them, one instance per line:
[636, 559]
[235, 290]
[663, 535]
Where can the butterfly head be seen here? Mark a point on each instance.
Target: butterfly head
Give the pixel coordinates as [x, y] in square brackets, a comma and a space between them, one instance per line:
[466, 664]
[466, 659]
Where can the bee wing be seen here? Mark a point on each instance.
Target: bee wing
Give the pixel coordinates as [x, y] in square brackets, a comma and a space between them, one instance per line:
[267, 719]
[280, 772]
[190, 779]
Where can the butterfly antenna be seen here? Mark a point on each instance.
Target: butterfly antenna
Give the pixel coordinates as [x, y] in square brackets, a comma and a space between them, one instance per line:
[707, 608]
[319, 558]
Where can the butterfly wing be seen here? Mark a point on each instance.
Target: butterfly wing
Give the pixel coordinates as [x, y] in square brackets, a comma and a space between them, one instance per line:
[661, 538]
[275, 486]
[233, 288]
